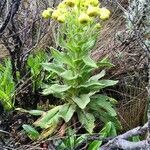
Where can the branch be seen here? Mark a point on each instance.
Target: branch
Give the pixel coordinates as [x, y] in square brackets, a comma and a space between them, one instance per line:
[13, 10]
[126, 145]
[121, 140]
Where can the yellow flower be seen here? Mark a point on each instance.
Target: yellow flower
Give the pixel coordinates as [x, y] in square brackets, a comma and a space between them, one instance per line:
[104, 13]
[93, 11]
[47, 13]
[56, 14]
[93, 2]
[70, 3]
[61, 18]
[84, 18]
[98, 26]
[61, 6]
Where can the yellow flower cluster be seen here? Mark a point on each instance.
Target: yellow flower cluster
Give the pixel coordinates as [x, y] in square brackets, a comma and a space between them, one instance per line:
[86, 11]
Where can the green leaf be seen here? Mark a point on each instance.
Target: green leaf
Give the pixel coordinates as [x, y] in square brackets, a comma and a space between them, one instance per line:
[89, 62]
[136, 138]
[92, 83]
[32, 133]
[62, 57]
[82, 101]
[106, 117]
[53, 67]
[80, 139]
[101, 101]
[68, 75]
[95, 145]
[67, 112]
[48, 131]
[4, 96]
[105, 63]
[98, 76]
[49, 118]
[32, 112]
[88, 45]
[108, 130]
[87, 120]
[55, 88]
[36, 112]
[107, 83]
[10, 88]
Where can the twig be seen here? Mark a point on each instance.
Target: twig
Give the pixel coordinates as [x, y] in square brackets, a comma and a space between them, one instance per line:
[5, 132]
[122, 142]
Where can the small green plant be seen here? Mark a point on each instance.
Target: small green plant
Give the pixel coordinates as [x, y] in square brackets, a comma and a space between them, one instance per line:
[109, 130]
[34, 64]
[7, 85]
[74, 83]
[71, 141]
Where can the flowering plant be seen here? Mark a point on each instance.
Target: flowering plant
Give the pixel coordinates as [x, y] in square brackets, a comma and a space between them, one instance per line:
[74, 84]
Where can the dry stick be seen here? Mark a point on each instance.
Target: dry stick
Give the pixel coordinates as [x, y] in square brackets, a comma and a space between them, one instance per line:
[118, 141]
[121, 140]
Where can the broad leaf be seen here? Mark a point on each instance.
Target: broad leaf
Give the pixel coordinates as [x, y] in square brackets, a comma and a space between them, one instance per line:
[67, 111]
[88, 45]
[82, 101]
[53, 67]
[32, 133]
[98, 76]
[92, 83]
[108, 130]
[89, 62]
[55, 88]
[101, 101]
[95, 145]
[49, 119]
[32, 112]
[107, 83]
[62, 57]
[87, 120]
[68, 75]
[4, 96]
[106, 117]
[47, 132]
[105, 63]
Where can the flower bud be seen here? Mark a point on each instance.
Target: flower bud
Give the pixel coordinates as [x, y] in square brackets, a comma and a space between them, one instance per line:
[47, 13]
[61, 18]
[104, 13]
[61, 6]
[84, 18]
[70, 3]
[98, 26]
[56, 14]
[93, 11]
[93, 2]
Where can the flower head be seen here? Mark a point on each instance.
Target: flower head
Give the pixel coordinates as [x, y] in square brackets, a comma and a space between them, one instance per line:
[93, 2]
[93, 11]
[47, 13]
[61, 18]
[104, 13]
[56, 14]
[98, 26]
[70, 3]
[84, 18]
[61, 6]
